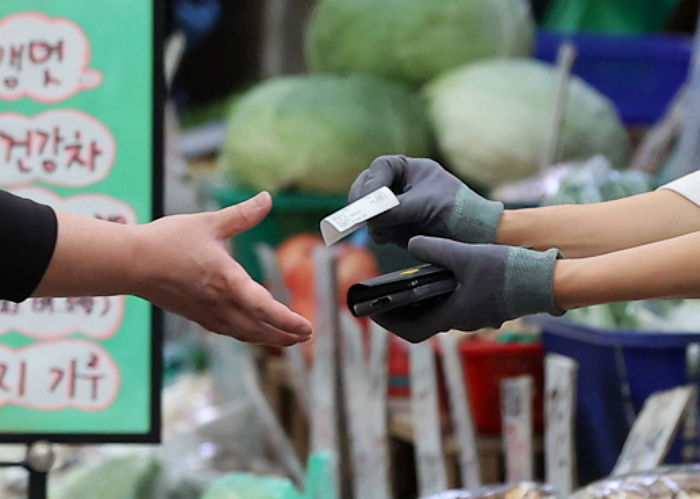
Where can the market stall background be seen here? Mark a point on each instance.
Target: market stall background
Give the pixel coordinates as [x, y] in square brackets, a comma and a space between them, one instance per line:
[297, 97]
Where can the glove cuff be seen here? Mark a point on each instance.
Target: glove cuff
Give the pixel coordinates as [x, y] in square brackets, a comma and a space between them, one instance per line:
[529, 282]
[473, 218]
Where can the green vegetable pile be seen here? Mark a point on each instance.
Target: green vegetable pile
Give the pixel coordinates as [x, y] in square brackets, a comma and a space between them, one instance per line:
[319, 132]
[120, 477]
[415, 40]
[400, 76]
[491, 120]
[318, 484]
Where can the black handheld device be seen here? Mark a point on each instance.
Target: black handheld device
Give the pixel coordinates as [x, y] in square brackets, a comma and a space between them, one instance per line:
[410, 288]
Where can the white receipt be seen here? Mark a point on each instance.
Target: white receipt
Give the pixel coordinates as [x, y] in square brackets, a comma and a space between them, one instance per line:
[346, 221]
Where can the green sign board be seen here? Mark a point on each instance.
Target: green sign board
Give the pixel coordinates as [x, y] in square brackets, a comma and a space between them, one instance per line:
[80, 130]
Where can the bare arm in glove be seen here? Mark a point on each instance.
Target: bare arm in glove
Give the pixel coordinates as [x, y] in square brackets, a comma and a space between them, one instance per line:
[436, 203]
[637, 248]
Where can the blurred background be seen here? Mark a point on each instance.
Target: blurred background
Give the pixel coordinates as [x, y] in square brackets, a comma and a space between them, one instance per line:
[530, 102]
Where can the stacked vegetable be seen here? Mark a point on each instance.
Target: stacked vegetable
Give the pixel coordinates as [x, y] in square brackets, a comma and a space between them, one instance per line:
[393, 73]
[318, 132]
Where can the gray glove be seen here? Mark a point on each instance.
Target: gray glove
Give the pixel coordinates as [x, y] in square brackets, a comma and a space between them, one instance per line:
[433, 202]
[495, 284]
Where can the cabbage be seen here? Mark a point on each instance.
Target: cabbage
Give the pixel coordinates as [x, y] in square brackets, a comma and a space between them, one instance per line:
[415, 40]
[491, 120]
[319, 132]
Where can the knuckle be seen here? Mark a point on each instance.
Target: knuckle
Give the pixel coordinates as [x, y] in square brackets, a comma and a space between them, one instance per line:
[243, 215]
[258, 309]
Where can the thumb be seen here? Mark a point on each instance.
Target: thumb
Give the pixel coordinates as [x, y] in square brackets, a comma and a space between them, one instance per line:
[433, 250]
[243, 216]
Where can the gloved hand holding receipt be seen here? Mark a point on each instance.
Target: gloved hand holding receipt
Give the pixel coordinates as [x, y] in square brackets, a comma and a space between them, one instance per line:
[464, 286]
[399, 291]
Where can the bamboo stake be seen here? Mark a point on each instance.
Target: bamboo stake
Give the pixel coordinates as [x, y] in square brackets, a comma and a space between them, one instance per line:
[324, 376]
[460, 410]
[294, 355]
[430, 459]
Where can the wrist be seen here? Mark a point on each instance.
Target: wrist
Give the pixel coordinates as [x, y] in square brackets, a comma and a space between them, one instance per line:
[566, 284]
[143, 271]
[517, 228]
[506, 228]
[529, 282]
[474, 219]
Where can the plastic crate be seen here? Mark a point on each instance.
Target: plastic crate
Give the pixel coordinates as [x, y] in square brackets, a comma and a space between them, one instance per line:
[640, 74]
[292, 213]
[486, 364]
[607, 360]
[609, 16]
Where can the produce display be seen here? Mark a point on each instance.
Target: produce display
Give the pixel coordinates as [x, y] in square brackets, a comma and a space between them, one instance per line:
[318, 132]
[248, 486]
[524, 490]
[415, 40]
[447, 79]
[130, 476]
[491, 120]
[317, 484]
[666, 483]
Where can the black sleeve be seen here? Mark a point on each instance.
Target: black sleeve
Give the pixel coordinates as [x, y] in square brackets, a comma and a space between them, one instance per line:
[28, 233]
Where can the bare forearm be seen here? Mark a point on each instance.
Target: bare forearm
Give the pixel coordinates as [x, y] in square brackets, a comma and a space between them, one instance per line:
[596, 229]
[665, 269]
[179, 263]
[92, 257]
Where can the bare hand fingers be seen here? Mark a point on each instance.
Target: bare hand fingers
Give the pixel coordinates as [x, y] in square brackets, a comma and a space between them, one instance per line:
[259, 303]
[238, 324]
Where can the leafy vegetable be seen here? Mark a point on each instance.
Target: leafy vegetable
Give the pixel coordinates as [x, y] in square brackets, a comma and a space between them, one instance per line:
[492, 119]
[248, 486]
[319, 132]
[119, 477]
[415, 40]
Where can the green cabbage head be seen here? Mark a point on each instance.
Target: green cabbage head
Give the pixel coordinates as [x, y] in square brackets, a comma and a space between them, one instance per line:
[491, 120]
[318, 132]
[415, 40]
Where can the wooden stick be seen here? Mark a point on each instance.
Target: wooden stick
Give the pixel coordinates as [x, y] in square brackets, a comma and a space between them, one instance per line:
[356, 404]
[560, 404]
[460, 409]
[378, 386]
[657, 143]
[279, 442]
[430, 459]
[324, 375]
[284, 27]
[365, 388]
[295, 357]
[687, 155]
[566, 58]
[516, 410]
[654, 430]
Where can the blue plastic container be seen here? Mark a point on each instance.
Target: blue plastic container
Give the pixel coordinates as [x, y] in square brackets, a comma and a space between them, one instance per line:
[640, 74]
[608, 361]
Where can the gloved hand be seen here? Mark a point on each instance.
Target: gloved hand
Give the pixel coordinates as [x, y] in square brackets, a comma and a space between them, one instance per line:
[495, 284]
[433, 202]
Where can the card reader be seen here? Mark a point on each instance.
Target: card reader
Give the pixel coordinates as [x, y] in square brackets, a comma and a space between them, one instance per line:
[414, 287]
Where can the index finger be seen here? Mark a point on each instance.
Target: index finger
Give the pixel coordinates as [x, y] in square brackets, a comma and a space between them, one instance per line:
[384, 171]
